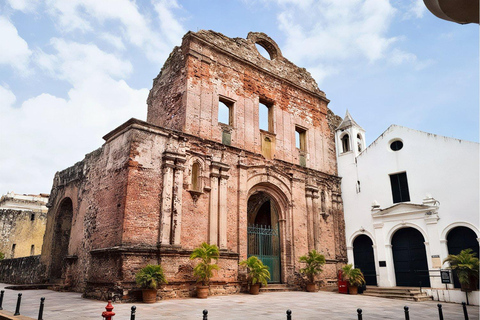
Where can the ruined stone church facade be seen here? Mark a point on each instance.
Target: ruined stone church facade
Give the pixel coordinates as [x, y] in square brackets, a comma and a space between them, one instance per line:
[238, 150]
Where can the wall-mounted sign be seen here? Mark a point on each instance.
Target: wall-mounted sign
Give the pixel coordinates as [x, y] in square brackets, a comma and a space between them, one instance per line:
[445, 276]
[436, 262]
[382, 263]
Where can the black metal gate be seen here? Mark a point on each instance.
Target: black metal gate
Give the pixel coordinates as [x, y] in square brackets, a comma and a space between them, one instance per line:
[364, 258]
[264, 243]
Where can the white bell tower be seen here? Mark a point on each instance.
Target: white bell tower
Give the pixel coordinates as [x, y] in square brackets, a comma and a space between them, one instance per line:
[349, 142]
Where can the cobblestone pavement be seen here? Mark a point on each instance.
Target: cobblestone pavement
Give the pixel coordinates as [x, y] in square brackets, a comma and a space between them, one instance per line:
[304, 305]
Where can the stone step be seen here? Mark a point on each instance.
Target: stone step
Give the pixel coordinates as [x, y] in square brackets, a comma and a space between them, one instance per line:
[401, 293]
[277, 287]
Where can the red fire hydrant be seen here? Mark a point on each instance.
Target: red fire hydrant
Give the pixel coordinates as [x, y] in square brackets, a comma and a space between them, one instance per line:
[109, 313]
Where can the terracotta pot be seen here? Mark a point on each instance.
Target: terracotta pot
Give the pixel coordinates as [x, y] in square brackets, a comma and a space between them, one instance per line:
[311, 287]
[149, 295]
[353, 289]
[202, 292]
[255, 288]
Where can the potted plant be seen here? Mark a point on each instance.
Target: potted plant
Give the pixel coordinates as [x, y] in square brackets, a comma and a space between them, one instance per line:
[148, 278]
[465, 265]
[354, 276]
[314, 262]
[257, 273]
[203, 271]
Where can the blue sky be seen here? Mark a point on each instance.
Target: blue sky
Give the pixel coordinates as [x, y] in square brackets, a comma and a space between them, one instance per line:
[71, 71]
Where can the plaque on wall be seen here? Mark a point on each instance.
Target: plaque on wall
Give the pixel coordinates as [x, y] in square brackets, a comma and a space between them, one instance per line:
[445, 276]
[382, 263]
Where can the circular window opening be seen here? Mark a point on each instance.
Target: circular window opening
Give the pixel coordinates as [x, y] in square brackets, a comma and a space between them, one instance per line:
[396, 145]
[263, 51]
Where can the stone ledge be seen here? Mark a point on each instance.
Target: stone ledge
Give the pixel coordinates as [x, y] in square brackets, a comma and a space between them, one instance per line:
[5, 315]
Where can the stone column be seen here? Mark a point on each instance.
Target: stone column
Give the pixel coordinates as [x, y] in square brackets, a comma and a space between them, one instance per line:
[242, 200]
[310, 238]
[222, 212]
[213, 220]
[177, 202]
[167, 198]
[316, 220]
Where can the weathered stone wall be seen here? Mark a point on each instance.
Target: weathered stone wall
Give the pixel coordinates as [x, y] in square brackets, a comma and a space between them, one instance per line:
[133, 201]
[22, 228]
[214, 67]
[25, 270]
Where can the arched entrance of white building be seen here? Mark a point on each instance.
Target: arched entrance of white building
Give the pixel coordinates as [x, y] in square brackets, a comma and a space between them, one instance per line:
[264, 232]
[410, 258]
[364, 259]
[458, 239]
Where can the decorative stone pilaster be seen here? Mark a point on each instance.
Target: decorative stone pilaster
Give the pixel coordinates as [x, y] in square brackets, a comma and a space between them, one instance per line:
[171, 207]
[218, 204]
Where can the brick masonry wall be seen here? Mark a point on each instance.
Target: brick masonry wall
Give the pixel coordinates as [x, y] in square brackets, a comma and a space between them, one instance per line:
[132, 199]
[25, 270]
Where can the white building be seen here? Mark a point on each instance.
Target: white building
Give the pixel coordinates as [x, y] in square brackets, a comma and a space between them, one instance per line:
[410, 199]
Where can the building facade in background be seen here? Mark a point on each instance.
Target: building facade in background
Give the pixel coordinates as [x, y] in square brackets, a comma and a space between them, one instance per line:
[22, 224]
[238, 150]
[410, 199]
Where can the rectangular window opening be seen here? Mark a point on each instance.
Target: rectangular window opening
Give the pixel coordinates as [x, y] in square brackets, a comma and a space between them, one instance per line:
[265, 116]
[399, 185]
[225, 111]
[301, 138]
[32, 250]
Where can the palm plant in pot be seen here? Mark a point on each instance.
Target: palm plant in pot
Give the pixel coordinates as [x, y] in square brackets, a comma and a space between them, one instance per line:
[257, 273]
[466, 266]
[354, 276]
[203, 271]
[149, 278]
[314, 262]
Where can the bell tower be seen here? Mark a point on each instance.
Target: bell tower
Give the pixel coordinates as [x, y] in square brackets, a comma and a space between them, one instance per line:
[349, 137]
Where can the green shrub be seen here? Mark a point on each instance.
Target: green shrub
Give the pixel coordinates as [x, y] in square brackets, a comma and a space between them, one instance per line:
[257, 271]
[314, 263]
[150, 276]
[203, 271]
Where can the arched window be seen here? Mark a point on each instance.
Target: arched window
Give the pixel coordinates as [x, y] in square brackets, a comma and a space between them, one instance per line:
[346, 143]
[196, 177]
[359, 142]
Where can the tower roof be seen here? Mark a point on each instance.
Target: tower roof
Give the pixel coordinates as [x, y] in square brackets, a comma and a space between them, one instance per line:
[348, 122]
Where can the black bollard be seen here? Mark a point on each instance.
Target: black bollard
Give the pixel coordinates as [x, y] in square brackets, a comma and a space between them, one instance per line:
[1, 298]
[359, 314]
[17, 309]
[132, 314]
[440, 311]
[289, 314]
[205, 314]
[40, 310]
[407, 316]
[465, 313]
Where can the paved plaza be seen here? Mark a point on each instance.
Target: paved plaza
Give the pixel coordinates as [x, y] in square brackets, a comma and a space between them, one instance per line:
[304, 305]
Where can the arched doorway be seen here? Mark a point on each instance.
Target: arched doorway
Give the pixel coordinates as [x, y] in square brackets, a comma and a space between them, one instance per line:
[61, 238]
[263, 232]
[364, 259]
[410, 258]
[458, 239]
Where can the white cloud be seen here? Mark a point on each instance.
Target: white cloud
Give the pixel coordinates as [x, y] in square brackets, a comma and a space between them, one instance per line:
[77, 62]
[24, 5]
[7, 98]
[47, 133]
[115, 41]
[415, 9]
[15, 50]
[82, 15]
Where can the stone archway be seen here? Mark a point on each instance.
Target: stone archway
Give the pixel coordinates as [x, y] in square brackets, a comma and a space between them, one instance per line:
[61, 239]
[264, 232]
